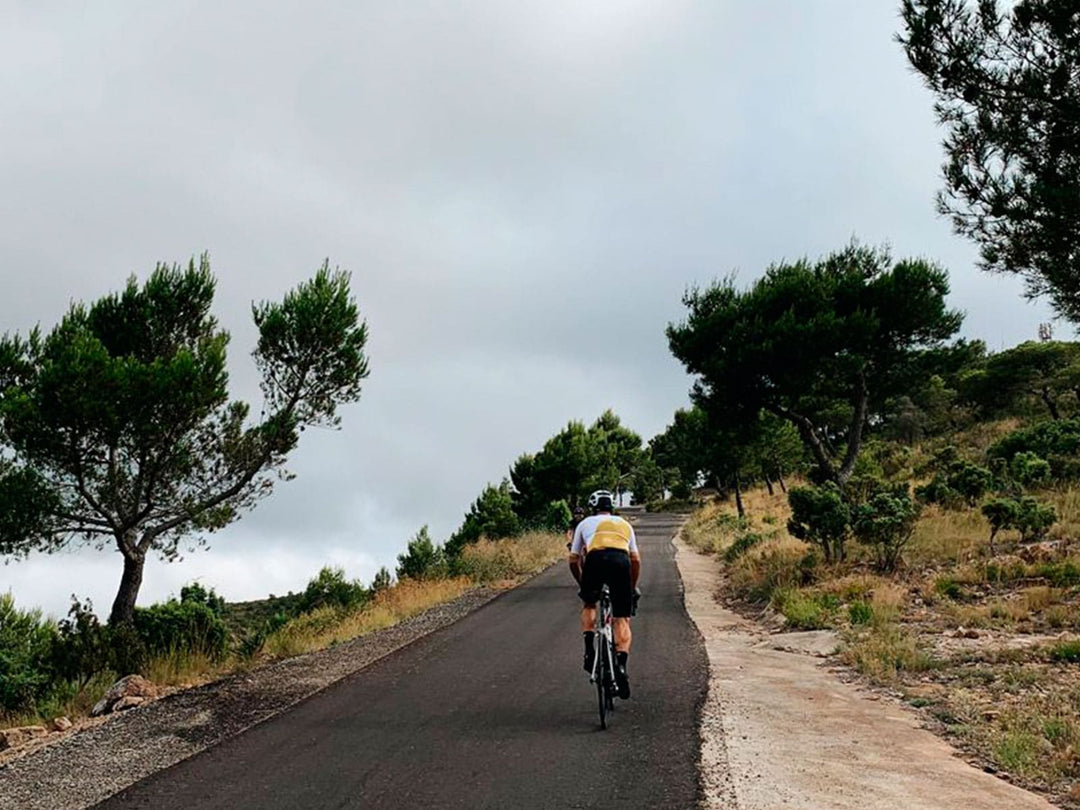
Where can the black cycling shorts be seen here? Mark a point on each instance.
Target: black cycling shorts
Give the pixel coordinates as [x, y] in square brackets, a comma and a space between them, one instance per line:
[611, 566]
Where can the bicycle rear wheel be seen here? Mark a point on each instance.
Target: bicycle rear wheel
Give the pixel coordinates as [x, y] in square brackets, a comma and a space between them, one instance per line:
[601, 696]
[605, 684]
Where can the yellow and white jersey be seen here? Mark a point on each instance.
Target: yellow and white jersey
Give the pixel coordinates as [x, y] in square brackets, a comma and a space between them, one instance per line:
[603, 531]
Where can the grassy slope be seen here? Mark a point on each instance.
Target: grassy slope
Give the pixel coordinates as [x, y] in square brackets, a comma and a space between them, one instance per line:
[986, 643]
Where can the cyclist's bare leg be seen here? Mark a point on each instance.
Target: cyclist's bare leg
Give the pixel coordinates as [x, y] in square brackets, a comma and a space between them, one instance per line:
[623, 637]
[588, 618]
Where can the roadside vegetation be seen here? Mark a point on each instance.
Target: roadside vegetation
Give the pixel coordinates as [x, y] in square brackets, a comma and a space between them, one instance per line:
[963, 607]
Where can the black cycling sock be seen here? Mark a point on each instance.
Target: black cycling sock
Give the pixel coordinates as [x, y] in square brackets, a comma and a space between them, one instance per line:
[589, 639]
[621, 658]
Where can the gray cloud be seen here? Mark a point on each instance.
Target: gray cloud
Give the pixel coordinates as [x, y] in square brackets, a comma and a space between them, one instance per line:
[522, 192]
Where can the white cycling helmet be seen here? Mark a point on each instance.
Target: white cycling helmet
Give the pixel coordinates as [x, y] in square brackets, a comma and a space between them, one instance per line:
[601, 499]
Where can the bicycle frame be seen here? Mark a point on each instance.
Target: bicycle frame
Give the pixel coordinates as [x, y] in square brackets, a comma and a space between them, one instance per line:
[603, 671]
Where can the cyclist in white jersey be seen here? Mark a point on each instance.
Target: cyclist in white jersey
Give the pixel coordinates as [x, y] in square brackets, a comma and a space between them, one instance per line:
[605, 551]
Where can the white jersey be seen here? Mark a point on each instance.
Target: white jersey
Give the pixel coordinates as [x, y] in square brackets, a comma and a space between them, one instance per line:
[603, 531]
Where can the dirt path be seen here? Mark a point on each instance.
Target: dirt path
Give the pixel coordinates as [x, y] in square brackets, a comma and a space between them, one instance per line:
[780, 731]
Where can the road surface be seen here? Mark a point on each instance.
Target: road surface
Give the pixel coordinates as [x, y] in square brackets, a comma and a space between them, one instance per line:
[491, 712]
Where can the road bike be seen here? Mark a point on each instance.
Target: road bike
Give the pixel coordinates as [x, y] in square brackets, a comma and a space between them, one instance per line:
[603, 669]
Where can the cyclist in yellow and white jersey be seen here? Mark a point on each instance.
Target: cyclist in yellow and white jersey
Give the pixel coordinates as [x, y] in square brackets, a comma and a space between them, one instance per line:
[604, 551]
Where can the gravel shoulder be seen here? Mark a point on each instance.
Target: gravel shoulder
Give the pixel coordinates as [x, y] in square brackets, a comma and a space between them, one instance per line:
[84, 768]
[781, 730]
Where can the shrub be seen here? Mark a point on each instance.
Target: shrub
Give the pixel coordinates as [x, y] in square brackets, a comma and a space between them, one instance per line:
[772, 566]
[1067, 652]
[26, 643]
[555, 518]
[1034, 519]
[422, 559]
[83, 647]
[195, 592]
[742, 544]
[886, 523]
[1058, 442]
[1031, 518]
[938, 491]
[1002, 513]
[887, 651]
[806, 611]
[1065, 574]
[329, 588]
[820, 516]
[969, 480]
[383, 580]
[1027, 469]
[859, 612]
[948, 587]
[175, 626]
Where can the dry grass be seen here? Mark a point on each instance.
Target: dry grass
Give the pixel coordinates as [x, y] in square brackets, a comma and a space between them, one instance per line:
[504, 561]
[184, 669]
[885, 652]
[325, 627]
[1010, 702]
[498, 562]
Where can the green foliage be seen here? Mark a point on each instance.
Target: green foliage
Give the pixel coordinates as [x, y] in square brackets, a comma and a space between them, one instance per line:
[1034, 519]
[820, 516]
[860, 612]
[1006, 90]
[885, 523]
[383, 580]
[26, 643]
[422, 559]
[956, 482]
[804, 610]
[177, 626]
[1001, 513]
[948, 587]
[1036, 376]
[117, 425]
[938, 491]
[820, 345]
[555, 518]
[83, 648]
[195, 592]
[1027, 515]
[491, 515]
[1058, 442]
[330, 588]
[968, 480]
[742, 544]
[1066, 652]
[1027, 469]
[648, 480]
[573, 463]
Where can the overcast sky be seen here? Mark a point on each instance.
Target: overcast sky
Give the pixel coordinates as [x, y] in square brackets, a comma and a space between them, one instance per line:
[521, 190]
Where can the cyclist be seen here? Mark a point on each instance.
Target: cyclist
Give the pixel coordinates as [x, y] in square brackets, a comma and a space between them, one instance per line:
[604, 551]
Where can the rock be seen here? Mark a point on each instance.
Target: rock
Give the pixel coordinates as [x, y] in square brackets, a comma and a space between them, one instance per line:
[14, 737]
[130, 686]
[971, 633]
[61, 724]
[129, 702]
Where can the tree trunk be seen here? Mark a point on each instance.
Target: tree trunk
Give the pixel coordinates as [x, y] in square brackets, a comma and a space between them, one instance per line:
[855, 434]
[780, 481]
[768, 484]
[123, 609]
[1050, 404]
[738, 498]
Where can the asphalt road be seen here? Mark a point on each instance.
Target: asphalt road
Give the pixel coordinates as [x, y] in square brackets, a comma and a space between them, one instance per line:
[492, 712]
